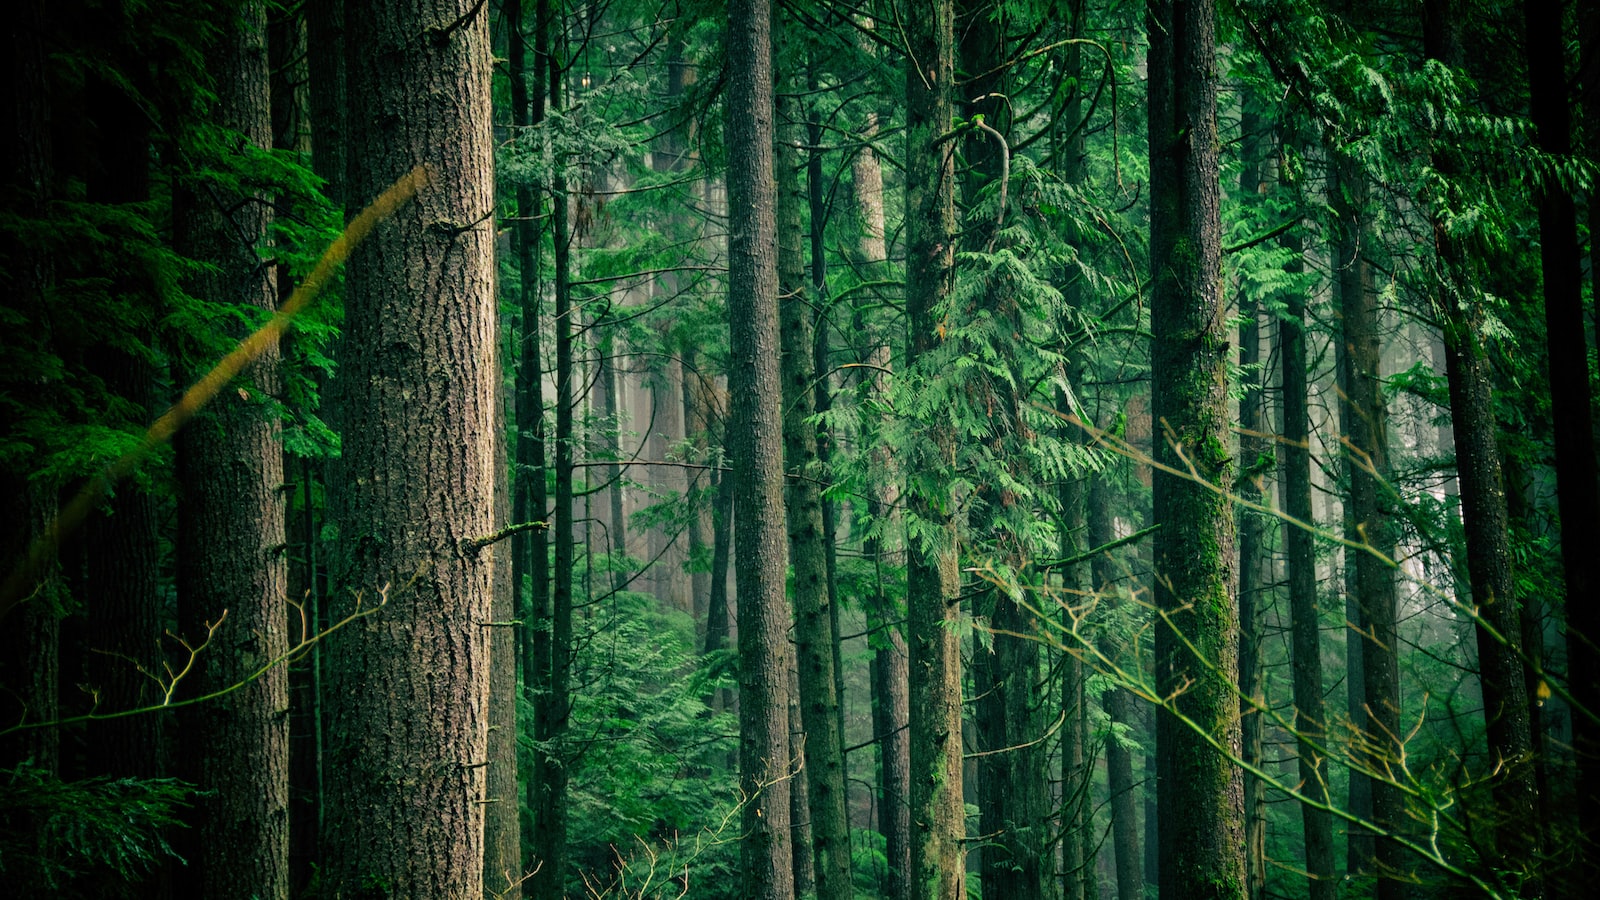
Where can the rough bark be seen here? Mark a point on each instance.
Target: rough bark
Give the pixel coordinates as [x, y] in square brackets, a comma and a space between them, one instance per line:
[1254, 453]
[1200, 791]
[1483, 507]
[938, 867]
[231, 521]
[755, 437]
[417, 380]
[814, 613]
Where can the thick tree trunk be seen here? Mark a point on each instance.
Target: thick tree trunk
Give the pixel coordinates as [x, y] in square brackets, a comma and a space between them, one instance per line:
[814, 614]
[1483, 507]
[755, 436]
[409, 684]
[1200, 791]
[1310, 716]
[938, 867]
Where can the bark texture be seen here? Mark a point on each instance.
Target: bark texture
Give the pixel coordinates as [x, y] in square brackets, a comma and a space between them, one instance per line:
[814, 634]
[231, 568]
[1483, 507]
[755, 437]
[1200, 790]
[938, 866]
[418, 374]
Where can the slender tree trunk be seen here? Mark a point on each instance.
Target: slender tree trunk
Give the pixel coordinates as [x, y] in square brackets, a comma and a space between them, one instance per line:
[1201, 791]
[419, 371]
[1576, 487]
[1367, 444]
[531, 502]
[1347, 192]
[548, 881]
[814, 615]
[1118, 704]
[890, 698]
[502, 826]
[938, 867]
[1310, 716]
[1484, 513]
[755, 436]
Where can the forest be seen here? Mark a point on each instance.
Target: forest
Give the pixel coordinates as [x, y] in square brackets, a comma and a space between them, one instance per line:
[934, 449]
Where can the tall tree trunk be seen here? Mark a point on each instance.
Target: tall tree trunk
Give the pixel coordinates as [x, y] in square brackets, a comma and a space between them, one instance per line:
[231, 521]
[409, 684]
[814, 634]
[1483, 505]
[530, 555]
[1347, 193]
[1310, 716]
[1576, 488]
[938, 867]
[755, 436]
[548, 881]
[1367, 444]
[887, 678]
[1254, 452]
[1200, 791]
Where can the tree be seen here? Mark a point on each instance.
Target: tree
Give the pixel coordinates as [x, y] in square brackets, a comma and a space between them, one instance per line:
[813, 613]
[413, 493]
[1200, 790]
[938, 868]
[231, 571]
[1483, 505]
[755, 437]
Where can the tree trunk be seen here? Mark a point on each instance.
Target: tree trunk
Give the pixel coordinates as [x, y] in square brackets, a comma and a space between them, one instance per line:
[530, 555]
[1200, 790]
[938, 867]
[1576, 490]
[1483, 507]
[231, 523]
[887, 678]
[1310, 716]
[814, 615]
[755, 436]
[1118, 704]
[548, 881]
[1347, 193]
[409, 684]
[1254, 456]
